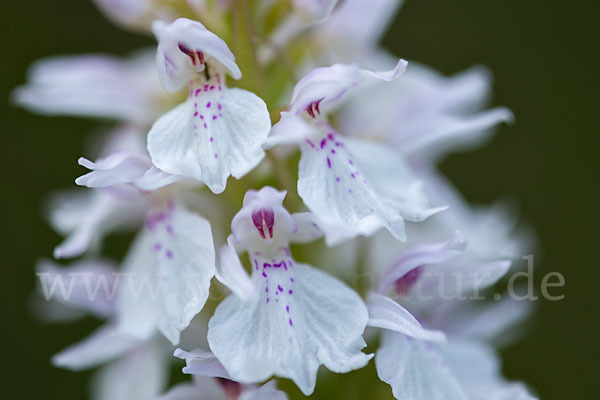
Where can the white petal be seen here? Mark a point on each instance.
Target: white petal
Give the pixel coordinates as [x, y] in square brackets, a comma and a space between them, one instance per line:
[327, 86]
[422, 254]
[169, 271]
[86, 216]
[186, 391]
[127, 12]
[210, 136]
[263, 225]
[268, 391]
[154, 179]
[347, 184]
[104, 344]
[499, 322]
[175, 68]
[477, 368]
[231, 273]
[415, 369]
[88, 285]
[91, 85]
[387, 314]
[139, 375]
[201, 363]
[361, 23]
[307, 228]
[318, 10]
[115, 169]
[302, 319]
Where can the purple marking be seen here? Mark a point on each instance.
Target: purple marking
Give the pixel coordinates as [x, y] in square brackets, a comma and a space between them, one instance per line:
[219, 106]
[264, 274]
[328, 163]
[349, 190]
[323, 143]
[201, 116]
[287, 308]
[330, 136]
[332, 151]
[212, 87]
[197, 92]
[267, 265]
[291, 279]
[353, 176]
[169, 229]
[280, 288]
[267, 289]
[337, 179]
[211, 138]
[290, 322]
[216, 155]
[157, 246]
[264, 218]
[195, 105]
[290, 291]
[267, 299]
[214, 117]
[310, 143]
[256, 264]
[208, 105]
[205, 127]
[351, 162]
[169, 254]
[408, 280]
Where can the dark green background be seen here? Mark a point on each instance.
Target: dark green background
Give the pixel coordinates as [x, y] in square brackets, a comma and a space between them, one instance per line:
[544, 55]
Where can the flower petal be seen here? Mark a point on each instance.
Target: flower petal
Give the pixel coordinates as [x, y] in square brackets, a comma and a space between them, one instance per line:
[310, 319]
[202, 363]
[139, 375]
[104, 344]
[415, 369]
[422, 254]
[174, 66]
[231, 273]
[89, 285]
[210, 136]
[477, 368]
[169, 271]
[115, 169]
[92, 85]
[387, 314]
[307, 229]
[327, 86]
[318, 10]
[347, 184]
[86, 216]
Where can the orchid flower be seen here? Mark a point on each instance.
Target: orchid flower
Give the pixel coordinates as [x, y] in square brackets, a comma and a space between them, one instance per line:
[345, 182]
[287, 318]
[217, 131]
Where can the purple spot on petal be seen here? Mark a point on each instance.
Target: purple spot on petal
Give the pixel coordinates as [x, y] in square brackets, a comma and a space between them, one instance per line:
[337, 179]
[169, 254]
[211, 138]
[216, 155]
[280, 288]
[290, 320]
[208, 105]
[328, 162]
[290, 292]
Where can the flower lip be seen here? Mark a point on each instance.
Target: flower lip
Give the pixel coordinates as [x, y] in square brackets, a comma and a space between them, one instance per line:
[263, 220]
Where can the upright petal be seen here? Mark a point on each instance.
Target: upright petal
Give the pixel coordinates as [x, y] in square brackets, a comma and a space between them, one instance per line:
[213, 134]
[183, 48]
[322, 89]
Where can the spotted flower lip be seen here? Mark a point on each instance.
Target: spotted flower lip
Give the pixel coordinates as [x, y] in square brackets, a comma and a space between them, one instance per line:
[280, 307]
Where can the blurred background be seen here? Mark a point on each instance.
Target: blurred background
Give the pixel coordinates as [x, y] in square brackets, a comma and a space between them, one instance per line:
[544, 56]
